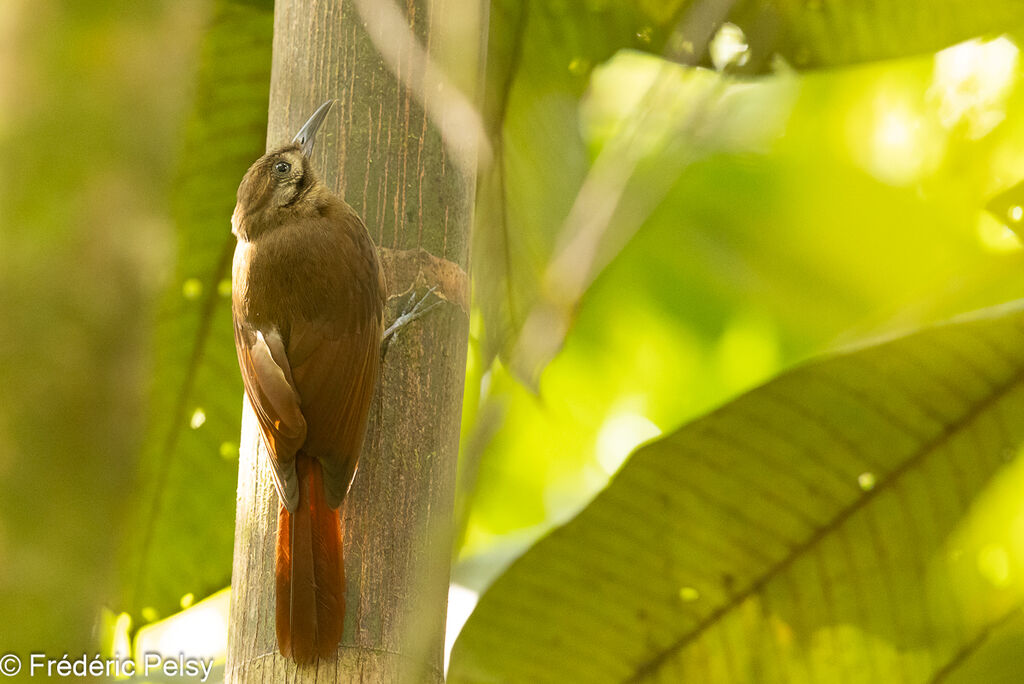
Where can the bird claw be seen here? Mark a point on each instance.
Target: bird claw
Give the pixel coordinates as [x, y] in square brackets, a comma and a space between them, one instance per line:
[412, 310]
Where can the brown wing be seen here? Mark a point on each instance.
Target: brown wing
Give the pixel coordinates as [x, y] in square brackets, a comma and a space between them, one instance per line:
[270, 390]
[335, 368]
[311, 368]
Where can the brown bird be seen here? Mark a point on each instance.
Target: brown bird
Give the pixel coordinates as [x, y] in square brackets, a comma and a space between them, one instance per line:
[308, 300]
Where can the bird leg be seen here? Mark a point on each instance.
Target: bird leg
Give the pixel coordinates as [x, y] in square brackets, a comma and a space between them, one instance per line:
[412, 310]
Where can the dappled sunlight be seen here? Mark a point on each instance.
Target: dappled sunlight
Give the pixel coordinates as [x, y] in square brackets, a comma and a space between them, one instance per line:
[840, 648]
[729, 47]
[461, 601]
[998, 237]
[657, 103]
[904, 143]
[971, 83]
[198, 418]
[116, 635]
[867, 481]
[621, 433]
[994, 565]
[199, 631]
[908, 122]
[983, 559]
[671, 118]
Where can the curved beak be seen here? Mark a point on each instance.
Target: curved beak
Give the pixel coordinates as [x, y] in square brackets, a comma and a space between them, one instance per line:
[307, 134]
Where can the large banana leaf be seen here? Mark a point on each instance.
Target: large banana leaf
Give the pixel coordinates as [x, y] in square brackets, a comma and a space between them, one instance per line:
[857, 519]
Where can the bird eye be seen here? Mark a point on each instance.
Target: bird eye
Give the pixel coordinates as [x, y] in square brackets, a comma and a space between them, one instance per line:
[282, 167]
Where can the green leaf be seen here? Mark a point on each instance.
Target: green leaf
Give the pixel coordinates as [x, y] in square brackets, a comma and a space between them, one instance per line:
[811, 34]
[752, 262]
[540, 56]
[857, 517]
[184, 513]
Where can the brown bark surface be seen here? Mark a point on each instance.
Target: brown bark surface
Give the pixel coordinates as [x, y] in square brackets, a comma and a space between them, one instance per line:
[382, 152]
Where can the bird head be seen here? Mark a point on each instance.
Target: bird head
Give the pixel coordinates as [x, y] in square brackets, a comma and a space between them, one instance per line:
[279, 179]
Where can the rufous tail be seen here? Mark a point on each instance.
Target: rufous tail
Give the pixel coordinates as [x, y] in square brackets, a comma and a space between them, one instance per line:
[310, 571]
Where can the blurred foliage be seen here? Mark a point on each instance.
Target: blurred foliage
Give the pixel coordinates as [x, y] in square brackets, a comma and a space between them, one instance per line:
[836, 205]
[183, 515]
[89, 116]
[855, 519]
[677, 235]
[539, 57]
[812, 34]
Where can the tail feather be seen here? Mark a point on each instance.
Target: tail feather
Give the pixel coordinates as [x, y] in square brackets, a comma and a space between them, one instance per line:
[310, 571]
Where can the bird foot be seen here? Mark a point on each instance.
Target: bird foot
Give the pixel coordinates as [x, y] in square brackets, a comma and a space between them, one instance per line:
[412, 310]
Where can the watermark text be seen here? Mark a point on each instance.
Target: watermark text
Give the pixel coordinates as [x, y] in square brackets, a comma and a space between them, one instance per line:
[149, 664]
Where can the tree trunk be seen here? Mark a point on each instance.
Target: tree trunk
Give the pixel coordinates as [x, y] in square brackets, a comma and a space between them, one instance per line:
[383, 150]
